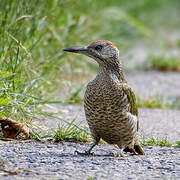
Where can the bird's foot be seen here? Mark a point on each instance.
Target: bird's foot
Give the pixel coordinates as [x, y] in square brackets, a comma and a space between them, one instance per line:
[86, 153]
[121, 155]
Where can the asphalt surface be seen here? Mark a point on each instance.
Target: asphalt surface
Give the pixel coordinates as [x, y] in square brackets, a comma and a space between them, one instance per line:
[154, 83]
[37, 160]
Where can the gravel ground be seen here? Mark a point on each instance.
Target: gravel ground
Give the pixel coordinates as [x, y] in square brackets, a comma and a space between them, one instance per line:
[35, 160]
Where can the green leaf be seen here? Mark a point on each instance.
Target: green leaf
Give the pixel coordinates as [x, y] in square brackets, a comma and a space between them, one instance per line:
[4, 101]
[4, 73]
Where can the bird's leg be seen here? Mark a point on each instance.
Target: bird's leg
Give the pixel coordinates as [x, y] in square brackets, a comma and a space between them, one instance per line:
[91, 147]
[88, 152]
[119, 154]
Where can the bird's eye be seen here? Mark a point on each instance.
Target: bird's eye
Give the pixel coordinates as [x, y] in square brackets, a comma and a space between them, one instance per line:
[98, 47]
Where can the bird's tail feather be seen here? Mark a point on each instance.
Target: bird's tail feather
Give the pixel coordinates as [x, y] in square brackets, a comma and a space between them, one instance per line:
[137, 147]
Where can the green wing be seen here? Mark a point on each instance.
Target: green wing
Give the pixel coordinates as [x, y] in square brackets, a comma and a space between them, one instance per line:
[134, 110]
[132, 101]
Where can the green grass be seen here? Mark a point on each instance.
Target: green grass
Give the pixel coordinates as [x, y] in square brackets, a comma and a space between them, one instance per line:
[174, 103]
[158, 102]
[28, 59]
[177, 144]
[152, 102]
[91, 178]
[159, 142]
[156, 142]
[75, 96]
[71, 133]
[162, 63]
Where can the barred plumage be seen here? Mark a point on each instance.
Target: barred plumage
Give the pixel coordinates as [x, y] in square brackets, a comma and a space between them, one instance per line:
[109, 103]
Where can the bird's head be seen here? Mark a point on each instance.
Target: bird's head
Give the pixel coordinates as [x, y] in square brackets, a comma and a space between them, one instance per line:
[103, 51]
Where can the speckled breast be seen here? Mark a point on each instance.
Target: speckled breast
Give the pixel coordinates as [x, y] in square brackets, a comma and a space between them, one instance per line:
[104, 106]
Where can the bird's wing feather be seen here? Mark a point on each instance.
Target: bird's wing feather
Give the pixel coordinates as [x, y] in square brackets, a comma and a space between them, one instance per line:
[134, 111]
[132, 101]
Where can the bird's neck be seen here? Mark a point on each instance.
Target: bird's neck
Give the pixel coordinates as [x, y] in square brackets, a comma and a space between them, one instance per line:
[114, 71]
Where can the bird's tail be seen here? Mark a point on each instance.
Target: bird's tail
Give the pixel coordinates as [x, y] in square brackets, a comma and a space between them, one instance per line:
[137, 147]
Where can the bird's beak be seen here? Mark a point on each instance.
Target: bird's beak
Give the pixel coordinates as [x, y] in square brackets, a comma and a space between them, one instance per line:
[80, 50]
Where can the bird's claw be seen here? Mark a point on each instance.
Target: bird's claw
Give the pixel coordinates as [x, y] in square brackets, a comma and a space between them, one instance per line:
[84, 153]
[120, 155]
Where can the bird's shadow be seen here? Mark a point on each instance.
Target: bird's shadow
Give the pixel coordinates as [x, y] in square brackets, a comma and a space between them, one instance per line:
[84, 154]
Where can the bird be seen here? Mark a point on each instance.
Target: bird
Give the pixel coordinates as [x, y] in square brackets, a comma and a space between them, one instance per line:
[109, 103]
